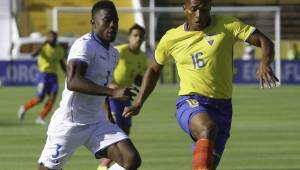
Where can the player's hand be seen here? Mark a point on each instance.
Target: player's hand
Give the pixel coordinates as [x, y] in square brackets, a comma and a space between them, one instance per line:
[266, 76]
[124, 94]
[110, 116]
[131, 110]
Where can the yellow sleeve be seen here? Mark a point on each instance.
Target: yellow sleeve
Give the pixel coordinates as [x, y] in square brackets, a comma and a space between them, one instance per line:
[240, 30]
[161, 53]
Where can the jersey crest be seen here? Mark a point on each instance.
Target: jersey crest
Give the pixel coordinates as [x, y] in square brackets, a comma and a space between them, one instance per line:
[210, 39]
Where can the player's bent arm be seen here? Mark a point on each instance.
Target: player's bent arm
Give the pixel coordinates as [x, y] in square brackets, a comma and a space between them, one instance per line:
[264, 72]
[38, 50]
[76, 80]
[258, 39]
[63, 65]
[149, 82]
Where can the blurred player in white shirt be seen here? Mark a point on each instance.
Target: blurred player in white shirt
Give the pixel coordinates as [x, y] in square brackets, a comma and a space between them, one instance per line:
[80, 118]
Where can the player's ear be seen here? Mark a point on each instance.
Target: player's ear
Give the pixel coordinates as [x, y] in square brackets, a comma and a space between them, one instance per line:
[92, 21]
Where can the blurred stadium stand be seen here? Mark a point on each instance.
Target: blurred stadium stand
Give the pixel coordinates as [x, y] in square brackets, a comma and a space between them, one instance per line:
[290, 16]
[36, 16]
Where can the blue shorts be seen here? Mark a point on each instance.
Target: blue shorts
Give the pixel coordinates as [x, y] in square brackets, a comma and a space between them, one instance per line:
[117, 108]
[220, 111]
[46, 84]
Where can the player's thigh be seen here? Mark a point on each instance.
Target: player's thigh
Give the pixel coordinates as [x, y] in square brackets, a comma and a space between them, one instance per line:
[41, 89]
[223, 118]
[202, 125]
[123, 151]
[117, 108]
[192, 116]
[104, 135]
[63, 139]
[52, 87]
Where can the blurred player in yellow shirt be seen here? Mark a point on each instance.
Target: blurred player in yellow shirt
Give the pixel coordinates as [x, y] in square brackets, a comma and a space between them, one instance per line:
[50, 55]
[203, 52]
[129, 71]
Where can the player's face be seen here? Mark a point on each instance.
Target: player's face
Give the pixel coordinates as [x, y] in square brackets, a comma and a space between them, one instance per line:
[197, 14]
[136, 39]
[51, 38]
[105, 24]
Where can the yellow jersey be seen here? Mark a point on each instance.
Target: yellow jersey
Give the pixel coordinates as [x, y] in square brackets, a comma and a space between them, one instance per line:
[49, 58]
[204, 59]
[129, 65]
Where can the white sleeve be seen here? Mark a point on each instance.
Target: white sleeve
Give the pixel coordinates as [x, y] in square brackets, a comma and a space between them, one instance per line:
[116, 56]
[81, 50]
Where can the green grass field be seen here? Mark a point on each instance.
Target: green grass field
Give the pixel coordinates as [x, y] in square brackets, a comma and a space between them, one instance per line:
[265, 132]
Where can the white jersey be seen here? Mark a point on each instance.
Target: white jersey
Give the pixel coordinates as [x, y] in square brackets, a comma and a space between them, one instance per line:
[82, 108]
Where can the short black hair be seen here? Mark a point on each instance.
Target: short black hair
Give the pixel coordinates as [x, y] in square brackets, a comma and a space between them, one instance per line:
[52, 32]
[138, 27]
[103, 4]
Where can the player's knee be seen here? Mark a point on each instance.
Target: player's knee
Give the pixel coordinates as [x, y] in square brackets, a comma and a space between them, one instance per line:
[205, 130]
[132, 161]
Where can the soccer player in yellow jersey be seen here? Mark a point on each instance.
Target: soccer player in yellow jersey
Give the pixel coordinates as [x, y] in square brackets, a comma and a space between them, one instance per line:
[50, 55]
[203, 50]
[129, 71]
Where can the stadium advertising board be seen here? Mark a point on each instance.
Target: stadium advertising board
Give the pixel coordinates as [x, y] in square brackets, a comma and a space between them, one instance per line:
[245, 71]
[18, 72]
[24, 72]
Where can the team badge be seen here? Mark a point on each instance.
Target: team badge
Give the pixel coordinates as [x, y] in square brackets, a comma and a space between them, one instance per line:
[193, 103]
[210, 39]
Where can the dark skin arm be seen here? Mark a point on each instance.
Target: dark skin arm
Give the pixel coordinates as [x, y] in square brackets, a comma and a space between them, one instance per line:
[148, 84]
[76, 81]
[264, 73]
[37, 51]
[63, 65]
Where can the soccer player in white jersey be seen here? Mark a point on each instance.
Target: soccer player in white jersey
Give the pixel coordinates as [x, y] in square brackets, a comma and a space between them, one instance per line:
[80, 118]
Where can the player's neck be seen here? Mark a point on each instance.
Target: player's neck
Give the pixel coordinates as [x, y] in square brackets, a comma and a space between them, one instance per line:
[52, 44]
[105, 44]
[133, 50]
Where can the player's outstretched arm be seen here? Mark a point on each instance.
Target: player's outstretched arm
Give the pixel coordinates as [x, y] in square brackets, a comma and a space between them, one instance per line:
[38, 50]
[148, 84]
[76, 81]
[264, 73]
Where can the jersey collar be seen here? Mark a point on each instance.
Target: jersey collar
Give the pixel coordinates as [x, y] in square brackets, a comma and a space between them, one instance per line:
[99, 41]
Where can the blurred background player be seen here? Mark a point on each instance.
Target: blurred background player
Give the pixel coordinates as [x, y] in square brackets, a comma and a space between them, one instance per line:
[294, 52]
[249, 52]
[80, 118]
[132, 64]
[203, 51]
[50, 55]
